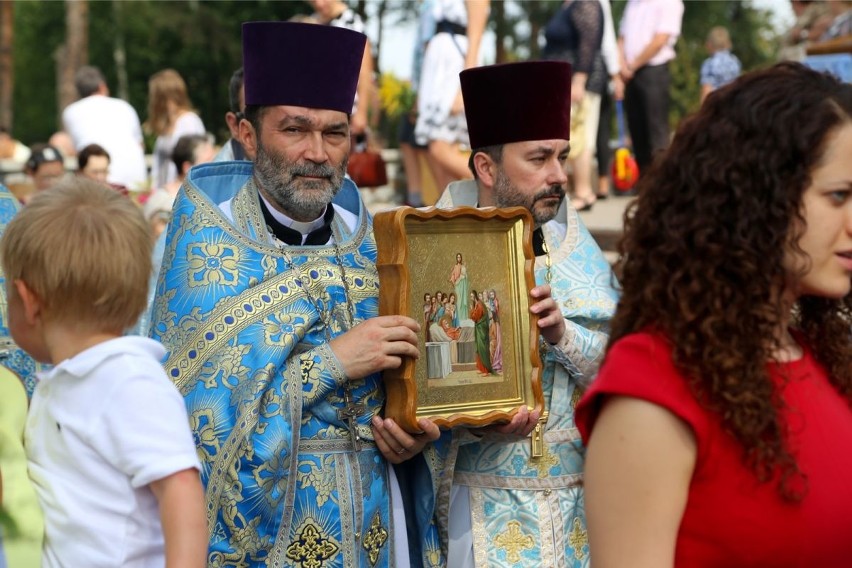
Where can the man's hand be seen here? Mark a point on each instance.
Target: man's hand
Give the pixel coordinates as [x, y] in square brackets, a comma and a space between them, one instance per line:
[617, 87]
[375, 345]
[550, 319]
[523, 422]
[396, 444]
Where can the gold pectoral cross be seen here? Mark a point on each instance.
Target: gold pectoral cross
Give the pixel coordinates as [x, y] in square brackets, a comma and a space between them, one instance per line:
[349, 414]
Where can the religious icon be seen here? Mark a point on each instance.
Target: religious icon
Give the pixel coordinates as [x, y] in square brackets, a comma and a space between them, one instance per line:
[465, 274]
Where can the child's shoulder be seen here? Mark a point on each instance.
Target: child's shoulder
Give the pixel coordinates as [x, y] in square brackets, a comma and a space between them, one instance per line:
[128, 358]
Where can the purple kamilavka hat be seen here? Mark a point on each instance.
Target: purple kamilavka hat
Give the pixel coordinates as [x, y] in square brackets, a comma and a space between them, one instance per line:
[517, 102]
[306, 65]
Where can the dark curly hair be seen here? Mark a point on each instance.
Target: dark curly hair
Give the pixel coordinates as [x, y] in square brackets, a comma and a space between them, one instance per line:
[702, 257]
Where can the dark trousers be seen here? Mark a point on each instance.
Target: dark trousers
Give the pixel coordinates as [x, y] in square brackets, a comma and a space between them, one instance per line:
[604, 153]
[646, 102]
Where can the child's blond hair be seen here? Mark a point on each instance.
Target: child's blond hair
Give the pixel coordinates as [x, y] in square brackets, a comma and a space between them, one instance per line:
[719, 39]
[85, 251]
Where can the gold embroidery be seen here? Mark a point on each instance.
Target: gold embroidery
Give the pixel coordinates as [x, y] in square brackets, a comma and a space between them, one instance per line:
[545, 462]
[312, 548]
[576, 396]
[513, 541]
[271, 475]
[280, 329]
[318, 478]
[212, 263]
[434, 557]
[578, 539]
[375, 539]
[201, 421]
[227, 364]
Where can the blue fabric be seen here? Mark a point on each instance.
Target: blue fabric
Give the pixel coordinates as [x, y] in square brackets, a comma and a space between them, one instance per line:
[246, 326]
[720, 69]
[11, 356]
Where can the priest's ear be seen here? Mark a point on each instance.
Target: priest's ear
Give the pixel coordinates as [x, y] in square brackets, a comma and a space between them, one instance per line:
[248, 137]
[484, 168]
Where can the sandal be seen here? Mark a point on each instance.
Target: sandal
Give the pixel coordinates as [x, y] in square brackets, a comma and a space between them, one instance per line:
[580, 204]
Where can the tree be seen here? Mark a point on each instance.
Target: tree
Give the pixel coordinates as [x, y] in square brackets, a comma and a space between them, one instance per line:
[74, 53]
[7, 70]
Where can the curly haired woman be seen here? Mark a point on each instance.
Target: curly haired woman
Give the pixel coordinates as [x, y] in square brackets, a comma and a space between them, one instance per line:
[719, 429]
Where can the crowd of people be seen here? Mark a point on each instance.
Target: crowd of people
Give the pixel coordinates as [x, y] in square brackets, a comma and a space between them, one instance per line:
[193, 376]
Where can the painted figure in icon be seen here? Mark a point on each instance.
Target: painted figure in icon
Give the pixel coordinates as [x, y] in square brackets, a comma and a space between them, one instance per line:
[458, 276]
[479, 315]
[452, 309]
[427, 313]
[495, 344]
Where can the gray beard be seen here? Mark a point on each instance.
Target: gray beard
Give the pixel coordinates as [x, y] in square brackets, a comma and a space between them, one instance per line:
[301, 199]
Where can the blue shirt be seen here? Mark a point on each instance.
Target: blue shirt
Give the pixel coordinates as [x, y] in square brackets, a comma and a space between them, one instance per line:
[720, 69]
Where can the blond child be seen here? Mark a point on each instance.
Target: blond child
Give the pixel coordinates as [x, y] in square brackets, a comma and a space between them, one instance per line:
[107, 436]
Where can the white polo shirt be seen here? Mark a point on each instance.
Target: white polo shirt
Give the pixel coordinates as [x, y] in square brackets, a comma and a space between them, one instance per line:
[101, 427]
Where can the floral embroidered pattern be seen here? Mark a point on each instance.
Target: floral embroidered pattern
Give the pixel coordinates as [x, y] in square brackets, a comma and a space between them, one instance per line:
[212, 263]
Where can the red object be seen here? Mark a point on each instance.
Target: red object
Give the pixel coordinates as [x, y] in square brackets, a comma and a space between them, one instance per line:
[730, 519]
[625, 171]
[366, 166]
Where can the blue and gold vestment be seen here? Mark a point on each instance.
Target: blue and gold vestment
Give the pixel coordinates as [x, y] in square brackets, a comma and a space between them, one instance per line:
[248, 349]
[11, 356]
[527, 511]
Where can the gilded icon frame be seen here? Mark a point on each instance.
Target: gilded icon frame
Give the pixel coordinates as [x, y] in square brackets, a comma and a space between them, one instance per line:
[456, 380]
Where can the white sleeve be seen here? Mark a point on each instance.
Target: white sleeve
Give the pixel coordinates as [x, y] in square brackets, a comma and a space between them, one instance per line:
[609, 46]
[145, 429]
[188, 123]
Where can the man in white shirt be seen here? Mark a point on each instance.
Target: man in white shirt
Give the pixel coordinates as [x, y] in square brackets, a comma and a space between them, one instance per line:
[646, 39]
[112, 123]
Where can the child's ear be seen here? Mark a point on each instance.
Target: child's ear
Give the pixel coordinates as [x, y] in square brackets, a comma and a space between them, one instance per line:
[32, 303]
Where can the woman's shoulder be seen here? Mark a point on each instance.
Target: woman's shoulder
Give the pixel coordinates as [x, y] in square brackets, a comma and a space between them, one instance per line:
[640, 365]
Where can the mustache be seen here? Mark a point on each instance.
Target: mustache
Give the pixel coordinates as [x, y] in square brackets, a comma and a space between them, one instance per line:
[312, 170]
[552, 191]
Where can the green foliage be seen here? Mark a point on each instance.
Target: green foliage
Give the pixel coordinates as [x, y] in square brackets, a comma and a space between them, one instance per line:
[200, 39]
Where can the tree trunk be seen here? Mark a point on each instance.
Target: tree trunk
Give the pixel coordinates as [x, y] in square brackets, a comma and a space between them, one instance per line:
[535, 27]
[498, 12]
[361, 9]
[377, 51]
[7, 62]
[119, 54]
[74, 53]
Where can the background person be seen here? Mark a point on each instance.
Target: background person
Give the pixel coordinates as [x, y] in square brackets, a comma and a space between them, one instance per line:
[93, 163]
[719, 428]
[170, 116]
[440, 107]
[575, 34]
[338, 13]
[232, 149]
[722, 66]
[45, 168]
[109, 122]
[190, 150]
[646, 40]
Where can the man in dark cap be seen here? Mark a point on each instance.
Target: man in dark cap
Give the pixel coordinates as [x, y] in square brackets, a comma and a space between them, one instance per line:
[267, 304]
[507, 507]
